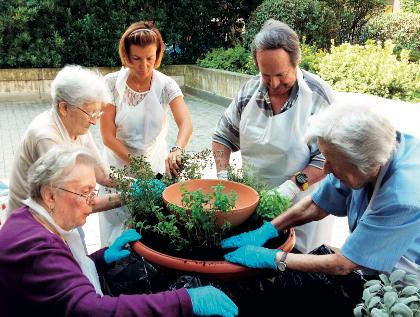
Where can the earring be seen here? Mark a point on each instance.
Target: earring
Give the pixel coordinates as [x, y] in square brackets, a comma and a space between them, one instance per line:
[51, 212]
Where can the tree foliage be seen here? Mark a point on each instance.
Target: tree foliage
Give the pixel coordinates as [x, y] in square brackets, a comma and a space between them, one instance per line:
[311, 18]
[48, 33]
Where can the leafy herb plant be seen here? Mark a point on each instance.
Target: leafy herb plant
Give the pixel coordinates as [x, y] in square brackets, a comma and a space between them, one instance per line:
[396, 295]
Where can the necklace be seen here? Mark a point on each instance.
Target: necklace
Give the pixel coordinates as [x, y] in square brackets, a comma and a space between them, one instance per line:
[46, 224]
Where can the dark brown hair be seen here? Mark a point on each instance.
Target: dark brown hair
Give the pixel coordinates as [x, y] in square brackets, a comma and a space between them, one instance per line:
[141, 34]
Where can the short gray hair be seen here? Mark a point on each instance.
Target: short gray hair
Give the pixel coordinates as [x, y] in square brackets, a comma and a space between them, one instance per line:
[54, 167]
[274, 35]
[362, 135]
[76, 85]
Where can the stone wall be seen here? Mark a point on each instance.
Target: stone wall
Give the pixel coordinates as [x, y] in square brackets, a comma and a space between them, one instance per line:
[222, 86]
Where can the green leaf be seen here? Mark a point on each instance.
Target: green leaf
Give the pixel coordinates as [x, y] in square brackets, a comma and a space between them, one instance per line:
[358, 310]
[409, 290]
[375, 300]
[378, 313]
[371, 282]
[410, 299]
[384, 279]
[397, 275]
[402, 309]
[390, 298]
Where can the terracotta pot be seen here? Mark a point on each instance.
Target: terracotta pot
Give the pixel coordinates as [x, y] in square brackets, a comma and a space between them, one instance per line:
[245, 205]
[213, 269]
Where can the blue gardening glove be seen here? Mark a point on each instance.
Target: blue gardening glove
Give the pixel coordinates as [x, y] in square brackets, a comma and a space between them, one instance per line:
[253, 256]
[155, 185]
[209, 301]
[117, 251]
[256, 237]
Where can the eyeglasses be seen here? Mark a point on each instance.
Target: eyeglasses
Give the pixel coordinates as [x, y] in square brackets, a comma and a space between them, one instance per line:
[92, 116]
[89, 197]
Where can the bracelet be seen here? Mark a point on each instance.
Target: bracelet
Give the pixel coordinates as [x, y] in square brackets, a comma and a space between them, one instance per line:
[175, 148]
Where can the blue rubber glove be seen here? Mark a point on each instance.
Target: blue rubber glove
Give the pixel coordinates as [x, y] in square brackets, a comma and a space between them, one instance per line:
[253, 256]
[117, 251]
[209, 301]
[256, 237]
[155, 185]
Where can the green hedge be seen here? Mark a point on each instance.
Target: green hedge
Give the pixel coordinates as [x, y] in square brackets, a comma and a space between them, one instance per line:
[402, 28]
[372, 69]
[311, 18]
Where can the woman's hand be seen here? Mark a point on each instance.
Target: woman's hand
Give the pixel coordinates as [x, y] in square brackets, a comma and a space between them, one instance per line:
[173, 163]
[209, 301]
[254, 257]
[117, 250]
[255, 237]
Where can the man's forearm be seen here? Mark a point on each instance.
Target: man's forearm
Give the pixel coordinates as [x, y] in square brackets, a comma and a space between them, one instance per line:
[107, 202]
[221, 154]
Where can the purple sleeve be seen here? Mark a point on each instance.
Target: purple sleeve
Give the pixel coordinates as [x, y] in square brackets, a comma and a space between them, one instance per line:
[55, 277]
[99, 260]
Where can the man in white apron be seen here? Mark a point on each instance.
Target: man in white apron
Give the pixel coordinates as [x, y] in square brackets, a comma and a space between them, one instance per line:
[268, 120]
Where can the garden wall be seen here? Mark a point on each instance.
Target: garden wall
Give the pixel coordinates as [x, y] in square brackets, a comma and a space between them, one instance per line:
[217, 85]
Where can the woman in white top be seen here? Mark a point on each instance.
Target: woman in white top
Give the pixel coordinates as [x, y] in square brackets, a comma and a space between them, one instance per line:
[78, 95]
[136, 121]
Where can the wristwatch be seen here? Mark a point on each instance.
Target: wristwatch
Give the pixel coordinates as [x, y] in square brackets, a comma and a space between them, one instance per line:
[302, 180]
[175, 148]
[281, 264]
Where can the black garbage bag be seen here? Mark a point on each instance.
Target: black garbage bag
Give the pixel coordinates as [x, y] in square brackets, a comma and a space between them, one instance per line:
[296, 293]
[131, 275]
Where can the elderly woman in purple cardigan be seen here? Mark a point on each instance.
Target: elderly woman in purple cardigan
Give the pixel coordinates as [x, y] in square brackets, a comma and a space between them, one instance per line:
[44, 270]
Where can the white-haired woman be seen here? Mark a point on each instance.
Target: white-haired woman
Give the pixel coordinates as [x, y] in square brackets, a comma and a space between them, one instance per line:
[373, 179]
[44, 269]
[78, 96]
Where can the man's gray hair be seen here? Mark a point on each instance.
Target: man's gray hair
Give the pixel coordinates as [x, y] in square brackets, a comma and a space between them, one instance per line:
[76, 85]
[54, 167]
[358, 132]
[274, 35]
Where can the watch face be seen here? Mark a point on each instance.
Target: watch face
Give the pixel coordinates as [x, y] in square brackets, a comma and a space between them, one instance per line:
[281, 266]
[301, 178]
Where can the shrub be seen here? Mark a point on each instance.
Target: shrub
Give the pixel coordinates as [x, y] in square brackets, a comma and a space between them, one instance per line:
[235, 59]
[412, 6]
[395, 295]
[402, 28]
[311, 18]
[372, 69]
[352, 15]
[311, 57]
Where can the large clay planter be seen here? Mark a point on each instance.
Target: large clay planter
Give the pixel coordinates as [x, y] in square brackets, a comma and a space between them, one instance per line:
[212, 269]
[244, 206]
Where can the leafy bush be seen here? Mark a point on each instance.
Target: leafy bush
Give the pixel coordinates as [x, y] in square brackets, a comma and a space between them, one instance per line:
[396, 295]
[311, 57]
[402, 28]
[412, 6]
[311, 18]
[235, 59]
[352, 15]
[271, 205]
[372, 69]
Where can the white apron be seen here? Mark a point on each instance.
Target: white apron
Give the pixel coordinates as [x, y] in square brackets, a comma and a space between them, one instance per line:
[143, 129]
[275, 146]
[404, 264]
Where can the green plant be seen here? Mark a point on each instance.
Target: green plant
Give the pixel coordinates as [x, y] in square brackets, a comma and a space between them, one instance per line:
[352, 15]
[197, 216]
[412, 6]
[235, 59]
[311, 18]
[191, 167]
[372, 69]
[192, 225]
[402, 28]
[396, 295]
[246, 175]
[271, 205]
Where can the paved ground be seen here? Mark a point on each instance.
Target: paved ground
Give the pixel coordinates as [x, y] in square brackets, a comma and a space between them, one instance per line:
[15, 117]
